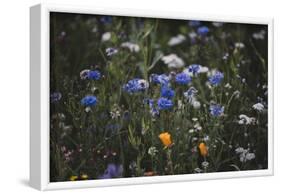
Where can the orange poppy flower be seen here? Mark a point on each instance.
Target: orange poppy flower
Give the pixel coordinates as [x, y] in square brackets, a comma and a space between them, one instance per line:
[165, 138]
[203, 149]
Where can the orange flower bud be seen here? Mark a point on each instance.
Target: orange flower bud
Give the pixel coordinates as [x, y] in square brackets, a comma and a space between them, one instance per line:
[165, 138]
[203, 149]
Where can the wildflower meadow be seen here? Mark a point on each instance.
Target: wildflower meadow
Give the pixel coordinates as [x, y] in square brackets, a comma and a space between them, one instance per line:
[133, 97]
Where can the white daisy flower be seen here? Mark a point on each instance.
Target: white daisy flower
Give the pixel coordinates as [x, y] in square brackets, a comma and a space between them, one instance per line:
[259, 35]
[176, 40]
[250, 156]
[259, 107]
[173, 61]
[106, 36]
[196, 104]
[245, 120]
[239, 45]
[218, 24]
[131, 46]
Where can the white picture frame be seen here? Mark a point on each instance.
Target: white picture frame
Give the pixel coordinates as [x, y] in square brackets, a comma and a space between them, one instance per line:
[39, 101]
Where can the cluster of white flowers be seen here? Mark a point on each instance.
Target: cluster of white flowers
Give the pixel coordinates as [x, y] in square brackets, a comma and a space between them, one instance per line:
[236, 94]
[59, 116]
[196, 128]
[180, 104]
[173, 61]
[88, 109]
[198, 170]
[245, 154]
[228, 86]
[245, 120]
[192, 35]
[131, 46]
[205, 164]
[206, 138]
[259, 35]
[225, 56]
[196, 104]
[259, 107]
[176, 40]
[115, 113]
[106, 36]
[239, 45]
[217, 24]
[152, 151]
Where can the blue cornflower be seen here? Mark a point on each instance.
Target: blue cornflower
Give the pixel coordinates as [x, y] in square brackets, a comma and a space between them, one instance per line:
[194, 69]
[216, 79]
[126, 115]
[203, 31]
[183, 78]
[106, 19]
[153, 111]
[55, 97]
[136, 85]
[160, 79]
[216, 110]
[94, 75]
[194, 23]
[112, 171]
[89, 100]
[167, 92]
[164, 103]
[189, 94]
[149, 102]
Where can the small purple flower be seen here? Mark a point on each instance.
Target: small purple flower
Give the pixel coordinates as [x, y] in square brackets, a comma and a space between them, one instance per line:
[89, 74]
[159, 79]
[183, 78]
[89, 101]
[55, 97]
[167, 92]
[216, 79]
[112, 171]
[111, 51]
[216, 110]
[203, 31]
[94, 75]
[164, 103]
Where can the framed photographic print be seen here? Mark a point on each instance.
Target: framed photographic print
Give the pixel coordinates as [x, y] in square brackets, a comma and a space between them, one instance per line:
[124, 97]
